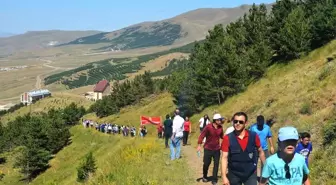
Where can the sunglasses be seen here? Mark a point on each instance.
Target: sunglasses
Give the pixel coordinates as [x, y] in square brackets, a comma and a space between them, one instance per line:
[238, 121]
[288, 175]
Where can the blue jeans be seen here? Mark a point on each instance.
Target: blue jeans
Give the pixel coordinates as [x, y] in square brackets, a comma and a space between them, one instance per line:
[175, 144]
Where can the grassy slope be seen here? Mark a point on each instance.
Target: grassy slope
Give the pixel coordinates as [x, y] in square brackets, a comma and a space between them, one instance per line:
[119, 160]
[57, 100]
[283, 92]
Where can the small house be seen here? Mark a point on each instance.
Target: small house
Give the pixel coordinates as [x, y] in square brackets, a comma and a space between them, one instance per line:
[102, 88]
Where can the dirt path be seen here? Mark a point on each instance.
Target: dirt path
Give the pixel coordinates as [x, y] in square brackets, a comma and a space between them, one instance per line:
[38, 84]
[196, 163]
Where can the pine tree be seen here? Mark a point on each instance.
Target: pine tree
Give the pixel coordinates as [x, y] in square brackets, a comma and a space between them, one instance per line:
[295, 36]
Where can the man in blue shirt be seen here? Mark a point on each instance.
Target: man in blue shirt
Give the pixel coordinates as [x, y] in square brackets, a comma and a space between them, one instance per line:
[304, 147]
[286, 167]
[264, 132]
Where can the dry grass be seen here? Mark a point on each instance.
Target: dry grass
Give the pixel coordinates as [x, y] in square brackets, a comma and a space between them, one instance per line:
[157, 64]
[283, 92]
[13, 83]
[57, 100]
[122, 161]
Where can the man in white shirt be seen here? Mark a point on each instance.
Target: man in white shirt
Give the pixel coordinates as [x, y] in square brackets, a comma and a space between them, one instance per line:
[175, 142]
[229, 130]
[204, 121]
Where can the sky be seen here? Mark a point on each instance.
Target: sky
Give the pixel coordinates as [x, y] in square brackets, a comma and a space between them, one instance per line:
[19, 16]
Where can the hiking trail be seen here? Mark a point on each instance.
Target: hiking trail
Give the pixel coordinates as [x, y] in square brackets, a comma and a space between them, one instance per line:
[194, 162]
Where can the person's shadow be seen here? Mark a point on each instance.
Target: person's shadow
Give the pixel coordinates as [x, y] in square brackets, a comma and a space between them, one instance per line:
[209, 178]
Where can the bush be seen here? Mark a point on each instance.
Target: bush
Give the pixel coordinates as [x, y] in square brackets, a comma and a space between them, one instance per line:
[87, 167]
[2, 175]
[327, 70]
[306, 109]
[329, 133]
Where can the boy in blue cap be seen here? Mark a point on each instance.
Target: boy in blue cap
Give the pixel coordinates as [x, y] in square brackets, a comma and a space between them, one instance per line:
[286, 167]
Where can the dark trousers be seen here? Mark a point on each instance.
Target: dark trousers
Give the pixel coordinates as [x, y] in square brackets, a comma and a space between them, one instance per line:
[159, 135]
[235, 180]
[185, 137]
[267, 154]
[208, 156]
[167, 137]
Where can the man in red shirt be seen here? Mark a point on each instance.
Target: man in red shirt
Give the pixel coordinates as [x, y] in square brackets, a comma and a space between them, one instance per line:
[160, 130]
[239, 156]
[213, 133]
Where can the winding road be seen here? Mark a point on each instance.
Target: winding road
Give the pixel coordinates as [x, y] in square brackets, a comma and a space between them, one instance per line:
[47, 63]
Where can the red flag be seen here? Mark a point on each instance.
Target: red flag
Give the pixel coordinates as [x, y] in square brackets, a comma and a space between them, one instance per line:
[150, 120]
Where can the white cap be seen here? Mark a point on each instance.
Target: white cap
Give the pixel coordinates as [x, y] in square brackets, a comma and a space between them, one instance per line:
[217, 116]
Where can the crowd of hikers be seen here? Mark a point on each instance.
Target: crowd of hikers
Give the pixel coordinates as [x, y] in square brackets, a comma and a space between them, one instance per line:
[239, 149]
[110, 128]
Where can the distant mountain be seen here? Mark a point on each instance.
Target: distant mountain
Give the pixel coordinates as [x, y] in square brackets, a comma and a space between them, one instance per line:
[6, 34]
[182, 29]
[40, 39]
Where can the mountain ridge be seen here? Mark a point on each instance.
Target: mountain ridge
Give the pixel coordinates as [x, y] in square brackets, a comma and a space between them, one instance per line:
[177, 30]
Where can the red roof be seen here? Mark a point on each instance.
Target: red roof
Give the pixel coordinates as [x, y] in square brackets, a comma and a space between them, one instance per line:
[101, 86]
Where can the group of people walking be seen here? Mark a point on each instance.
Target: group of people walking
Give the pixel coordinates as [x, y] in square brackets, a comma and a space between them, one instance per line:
[110, 128]
[241, 148]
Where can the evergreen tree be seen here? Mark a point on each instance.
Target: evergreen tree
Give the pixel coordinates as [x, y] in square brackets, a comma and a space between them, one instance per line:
[295, 36]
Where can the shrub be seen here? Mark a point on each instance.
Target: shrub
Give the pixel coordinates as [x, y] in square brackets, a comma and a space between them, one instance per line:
[87, 167]
[329, 133]
[306, 109]
[325, 73]
[2, 175]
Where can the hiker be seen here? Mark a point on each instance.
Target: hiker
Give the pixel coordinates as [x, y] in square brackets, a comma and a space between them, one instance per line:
[305, 147]
[160, 130]
[229, 130]
[238, 156]
[204, 121]
[186, 130]
[175, 142]
[213, 132]
[286, 166]
[168, 129]
[265, 134]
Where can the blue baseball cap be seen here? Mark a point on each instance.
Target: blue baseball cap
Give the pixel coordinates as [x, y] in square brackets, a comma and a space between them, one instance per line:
[287, 133]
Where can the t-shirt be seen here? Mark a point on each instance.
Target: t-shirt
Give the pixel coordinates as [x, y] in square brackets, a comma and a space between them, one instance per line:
[304, 150]
[168, 127]
[274, 170]
[187, 126]
[178, 122]
[229, 130]
[201, 121]
[263, 134]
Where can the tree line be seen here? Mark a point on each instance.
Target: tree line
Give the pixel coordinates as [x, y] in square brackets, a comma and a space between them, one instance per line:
[36, 137]
[231, 58]
[126, 93]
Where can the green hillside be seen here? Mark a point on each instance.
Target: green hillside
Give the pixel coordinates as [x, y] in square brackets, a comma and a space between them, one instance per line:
[119, 160]
[110, 69]
[159, 34]
[301, 94]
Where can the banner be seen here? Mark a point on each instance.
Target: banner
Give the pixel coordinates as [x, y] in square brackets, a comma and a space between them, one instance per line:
[150, 120]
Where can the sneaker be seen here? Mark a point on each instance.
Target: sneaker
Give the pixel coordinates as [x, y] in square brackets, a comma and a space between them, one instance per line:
[205, 179]
[214, 183]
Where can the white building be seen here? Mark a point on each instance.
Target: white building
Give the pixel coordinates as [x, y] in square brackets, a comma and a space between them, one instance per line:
[32, 96]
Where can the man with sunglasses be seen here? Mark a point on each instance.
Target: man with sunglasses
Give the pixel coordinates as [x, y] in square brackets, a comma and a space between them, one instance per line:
[286, 167]
[239, 153]
[213, 133]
